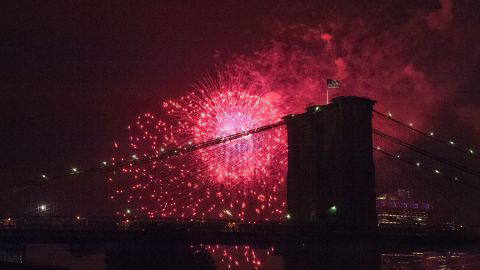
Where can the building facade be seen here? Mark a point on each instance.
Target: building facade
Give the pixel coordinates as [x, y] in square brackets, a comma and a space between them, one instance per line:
[401, 209]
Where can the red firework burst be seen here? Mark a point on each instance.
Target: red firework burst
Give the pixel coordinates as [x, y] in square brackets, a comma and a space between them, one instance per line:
[239, 179]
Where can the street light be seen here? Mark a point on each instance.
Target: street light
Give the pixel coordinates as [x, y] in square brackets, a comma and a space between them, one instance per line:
[42, 208]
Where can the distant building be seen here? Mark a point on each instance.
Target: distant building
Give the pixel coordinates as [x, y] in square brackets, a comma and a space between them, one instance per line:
[400, 209]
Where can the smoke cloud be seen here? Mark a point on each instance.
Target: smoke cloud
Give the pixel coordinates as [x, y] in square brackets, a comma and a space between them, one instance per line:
[422, 66]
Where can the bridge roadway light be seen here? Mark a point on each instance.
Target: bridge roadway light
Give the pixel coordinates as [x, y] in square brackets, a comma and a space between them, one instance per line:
[44, 176]
[74, 170]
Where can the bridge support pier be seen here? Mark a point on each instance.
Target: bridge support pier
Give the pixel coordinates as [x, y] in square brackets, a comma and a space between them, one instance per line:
[331, 178]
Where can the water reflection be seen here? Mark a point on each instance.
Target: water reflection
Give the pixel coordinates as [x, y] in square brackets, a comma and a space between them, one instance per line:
[241, 257]
[430, 260]
[221, 257]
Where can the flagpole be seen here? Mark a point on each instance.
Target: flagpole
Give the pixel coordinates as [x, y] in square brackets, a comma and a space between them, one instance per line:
[332, 84]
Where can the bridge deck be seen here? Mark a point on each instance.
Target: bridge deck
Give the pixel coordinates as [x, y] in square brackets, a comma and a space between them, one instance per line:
[102, 231]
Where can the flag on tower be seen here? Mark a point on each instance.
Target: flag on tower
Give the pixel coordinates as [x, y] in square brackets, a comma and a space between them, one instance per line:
[333, 84]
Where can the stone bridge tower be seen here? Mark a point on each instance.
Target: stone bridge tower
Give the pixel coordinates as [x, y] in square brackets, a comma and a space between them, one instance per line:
[331, 174]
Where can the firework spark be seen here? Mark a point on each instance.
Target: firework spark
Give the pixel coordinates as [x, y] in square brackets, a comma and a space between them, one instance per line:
[240, 179]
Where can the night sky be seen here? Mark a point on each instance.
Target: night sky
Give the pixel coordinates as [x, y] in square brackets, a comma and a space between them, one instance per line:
[74, 74]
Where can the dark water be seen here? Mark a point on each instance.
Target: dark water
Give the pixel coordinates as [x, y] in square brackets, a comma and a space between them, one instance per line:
[346, 256]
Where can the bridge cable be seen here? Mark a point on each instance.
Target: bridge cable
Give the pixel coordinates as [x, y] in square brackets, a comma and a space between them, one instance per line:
[430, 135]
[427, 153]
[166, 153]
[419, 166]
